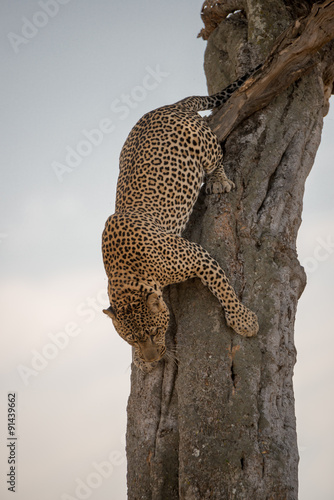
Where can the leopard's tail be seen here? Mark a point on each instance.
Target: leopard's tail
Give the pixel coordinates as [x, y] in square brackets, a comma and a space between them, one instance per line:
[203, 103]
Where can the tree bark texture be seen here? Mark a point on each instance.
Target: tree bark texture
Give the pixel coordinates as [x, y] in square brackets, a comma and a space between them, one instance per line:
[219, 423]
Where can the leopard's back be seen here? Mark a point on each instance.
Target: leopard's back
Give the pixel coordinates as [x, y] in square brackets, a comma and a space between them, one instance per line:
[161, 166]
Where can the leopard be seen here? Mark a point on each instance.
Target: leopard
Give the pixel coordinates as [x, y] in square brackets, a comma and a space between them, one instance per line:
[167, 157]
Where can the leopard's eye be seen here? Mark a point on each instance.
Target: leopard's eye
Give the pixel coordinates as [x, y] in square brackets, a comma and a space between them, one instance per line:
[130, 339]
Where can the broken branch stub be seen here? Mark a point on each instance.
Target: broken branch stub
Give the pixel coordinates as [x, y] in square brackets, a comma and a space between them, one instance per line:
[291, 57]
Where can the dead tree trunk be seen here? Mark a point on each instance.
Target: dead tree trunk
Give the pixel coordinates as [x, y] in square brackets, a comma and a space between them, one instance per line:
[220, 423]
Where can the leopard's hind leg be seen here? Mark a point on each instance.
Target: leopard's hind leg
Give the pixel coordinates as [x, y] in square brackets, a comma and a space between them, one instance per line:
[216, 179]
[218, 182]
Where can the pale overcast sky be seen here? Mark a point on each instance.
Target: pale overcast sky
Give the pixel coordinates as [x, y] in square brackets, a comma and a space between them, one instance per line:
[76, 76]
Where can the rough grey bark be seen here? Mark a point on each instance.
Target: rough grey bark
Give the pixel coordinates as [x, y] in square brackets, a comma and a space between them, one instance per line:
[220, 423]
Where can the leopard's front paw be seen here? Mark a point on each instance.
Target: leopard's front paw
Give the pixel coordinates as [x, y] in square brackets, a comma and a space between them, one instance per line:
[227, 185]
[143, 365]
[216, 186]
[244, 322]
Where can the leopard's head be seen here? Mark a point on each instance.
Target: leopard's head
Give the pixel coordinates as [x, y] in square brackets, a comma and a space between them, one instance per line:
[142, 320]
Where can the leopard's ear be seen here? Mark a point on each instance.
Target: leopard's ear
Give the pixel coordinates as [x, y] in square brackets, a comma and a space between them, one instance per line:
[110, 312]
[155, 302]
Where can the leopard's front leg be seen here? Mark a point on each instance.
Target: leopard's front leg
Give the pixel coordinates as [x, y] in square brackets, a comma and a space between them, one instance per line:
[238, 316]
[188, 260]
